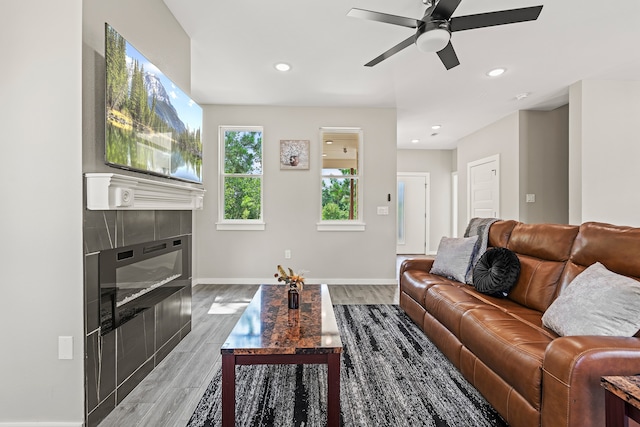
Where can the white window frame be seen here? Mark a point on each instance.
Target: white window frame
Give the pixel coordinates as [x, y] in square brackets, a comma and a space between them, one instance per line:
[356, 224]
[237, 224]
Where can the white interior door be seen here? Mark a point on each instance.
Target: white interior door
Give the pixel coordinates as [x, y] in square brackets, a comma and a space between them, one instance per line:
[413, 205]
[484, 188]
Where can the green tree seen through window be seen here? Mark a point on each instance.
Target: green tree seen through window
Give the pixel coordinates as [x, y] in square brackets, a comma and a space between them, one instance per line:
[242, 175]
[339, 197]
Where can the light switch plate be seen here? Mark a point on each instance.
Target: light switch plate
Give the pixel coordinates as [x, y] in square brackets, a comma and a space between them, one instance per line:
[383, 210]
[531, 198]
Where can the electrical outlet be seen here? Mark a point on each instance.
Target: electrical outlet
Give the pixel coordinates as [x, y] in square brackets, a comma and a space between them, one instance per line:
[65, 348]
[287, 254]
[531, 198]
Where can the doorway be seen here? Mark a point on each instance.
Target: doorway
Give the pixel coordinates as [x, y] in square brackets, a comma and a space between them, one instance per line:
[413, 206]
[484, 188]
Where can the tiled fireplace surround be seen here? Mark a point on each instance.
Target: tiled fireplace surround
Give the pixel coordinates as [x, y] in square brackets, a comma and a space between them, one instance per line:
[117, 361]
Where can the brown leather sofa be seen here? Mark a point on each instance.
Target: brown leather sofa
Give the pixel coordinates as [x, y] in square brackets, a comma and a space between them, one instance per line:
[529, 374]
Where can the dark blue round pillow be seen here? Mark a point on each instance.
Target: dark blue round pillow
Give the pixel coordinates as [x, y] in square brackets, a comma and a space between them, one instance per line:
[496, 272]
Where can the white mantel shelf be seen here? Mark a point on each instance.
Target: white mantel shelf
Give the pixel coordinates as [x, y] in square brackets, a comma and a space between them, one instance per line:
[110, 191]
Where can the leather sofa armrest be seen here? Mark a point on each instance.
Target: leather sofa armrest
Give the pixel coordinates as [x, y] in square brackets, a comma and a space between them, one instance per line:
[572, 368]
[416, 264]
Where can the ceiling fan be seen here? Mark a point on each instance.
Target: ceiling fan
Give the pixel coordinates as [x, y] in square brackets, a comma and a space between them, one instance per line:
[433, 31]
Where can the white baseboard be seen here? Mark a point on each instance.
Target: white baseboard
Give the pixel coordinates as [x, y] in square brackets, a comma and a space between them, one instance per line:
[42, 424]
[271, 280]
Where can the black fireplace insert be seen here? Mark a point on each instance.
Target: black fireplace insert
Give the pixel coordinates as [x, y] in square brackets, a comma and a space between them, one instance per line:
[134, 278]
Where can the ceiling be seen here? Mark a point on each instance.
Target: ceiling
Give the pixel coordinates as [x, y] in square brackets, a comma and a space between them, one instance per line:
[235, 44]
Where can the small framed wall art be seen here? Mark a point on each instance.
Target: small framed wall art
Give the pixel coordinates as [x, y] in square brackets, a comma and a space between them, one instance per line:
[294, 154]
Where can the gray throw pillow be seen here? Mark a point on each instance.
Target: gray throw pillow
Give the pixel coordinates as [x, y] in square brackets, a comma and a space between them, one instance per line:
[454, 257]
[596, 302]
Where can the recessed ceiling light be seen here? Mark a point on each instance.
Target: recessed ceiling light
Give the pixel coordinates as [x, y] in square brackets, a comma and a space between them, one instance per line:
[415, 141]
[434, 134]
[282, 66]
[522, 96]
[436, 127]
[329, 142]
[496, 72]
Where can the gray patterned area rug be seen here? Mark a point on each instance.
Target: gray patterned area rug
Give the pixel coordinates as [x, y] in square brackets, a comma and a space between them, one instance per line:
[391, 375]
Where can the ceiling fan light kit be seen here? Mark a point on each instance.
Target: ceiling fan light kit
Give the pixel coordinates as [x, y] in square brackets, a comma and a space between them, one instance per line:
[434, 39]
[433, 30]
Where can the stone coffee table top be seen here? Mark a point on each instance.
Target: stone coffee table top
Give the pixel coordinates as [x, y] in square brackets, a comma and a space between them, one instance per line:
[626, 388]
[268, 326]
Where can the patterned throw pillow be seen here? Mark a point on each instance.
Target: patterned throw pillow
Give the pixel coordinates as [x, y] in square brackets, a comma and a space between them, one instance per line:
[596, 302]
[453, 257]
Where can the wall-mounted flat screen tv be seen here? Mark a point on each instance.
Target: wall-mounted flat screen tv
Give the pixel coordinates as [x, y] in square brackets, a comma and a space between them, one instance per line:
[151, 125]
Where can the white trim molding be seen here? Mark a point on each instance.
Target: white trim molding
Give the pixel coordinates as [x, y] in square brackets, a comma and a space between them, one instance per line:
[346, 225]
[110, 191]
[42, 424]
[271, 281]
[241, 226]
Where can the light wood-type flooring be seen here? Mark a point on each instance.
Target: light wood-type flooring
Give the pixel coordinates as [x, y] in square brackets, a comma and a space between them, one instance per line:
[170, 393]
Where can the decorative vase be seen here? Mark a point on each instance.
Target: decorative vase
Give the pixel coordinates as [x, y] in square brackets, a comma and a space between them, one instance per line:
[294, 299]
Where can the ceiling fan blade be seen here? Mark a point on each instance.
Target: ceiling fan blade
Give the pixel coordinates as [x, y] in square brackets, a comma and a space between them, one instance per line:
[448, 57]
[397, 48]
[384, 17]
[445, 8]
[502, 17]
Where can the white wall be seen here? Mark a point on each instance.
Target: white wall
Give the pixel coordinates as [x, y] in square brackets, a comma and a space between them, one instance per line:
[41, 216]
[438, 164]
[292, 202]
[544, 160]
[502, 138]
[534, 159]
[575, 153]
[55, 84]
[605, 137]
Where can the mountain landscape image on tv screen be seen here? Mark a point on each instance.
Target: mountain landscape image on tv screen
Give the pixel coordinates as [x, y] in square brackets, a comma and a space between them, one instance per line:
[151, 125]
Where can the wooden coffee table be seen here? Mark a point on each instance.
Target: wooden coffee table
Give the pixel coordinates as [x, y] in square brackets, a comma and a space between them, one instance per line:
[270, 333]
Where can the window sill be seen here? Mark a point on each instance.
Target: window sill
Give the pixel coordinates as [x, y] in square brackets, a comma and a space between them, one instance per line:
[341, 226]
[240, 226]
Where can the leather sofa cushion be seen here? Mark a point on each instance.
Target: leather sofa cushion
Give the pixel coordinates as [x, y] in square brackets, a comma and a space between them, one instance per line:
[543, 250]
[616, 247]
[416, 283]
[448, 303]
[551, 242]
[500, 232]
[536, 285]
[512, 349]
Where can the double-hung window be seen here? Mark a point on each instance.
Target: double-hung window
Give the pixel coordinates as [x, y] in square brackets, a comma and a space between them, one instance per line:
[241, 175]
[341, 177]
